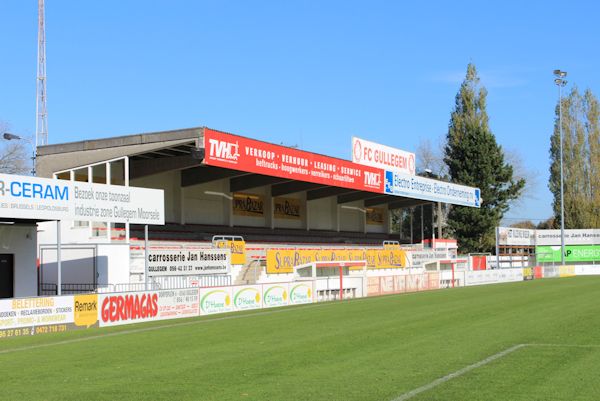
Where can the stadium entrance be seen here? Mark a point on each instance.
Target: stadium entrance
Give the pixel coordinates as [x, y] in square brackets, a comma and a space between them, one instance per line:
[7, 275]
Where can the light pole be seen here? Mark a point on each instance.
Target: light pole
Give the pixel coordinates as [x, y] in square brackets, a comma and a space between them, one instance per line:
[561, 82]
[9, 137]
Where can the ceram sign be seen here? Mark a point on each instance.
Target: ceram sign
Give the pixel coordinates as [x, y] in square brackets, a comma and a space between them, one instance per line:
[25, 197]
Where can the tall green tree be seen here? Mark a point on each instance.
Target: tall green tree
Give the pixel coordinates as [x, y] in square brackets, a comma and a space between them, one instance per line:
[581, 160]
[474, 158]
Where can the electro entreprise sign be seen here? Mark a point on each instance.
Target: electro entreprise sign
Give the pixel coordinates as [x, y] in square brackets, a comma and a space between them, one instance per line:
[413, 186]
[25, 197]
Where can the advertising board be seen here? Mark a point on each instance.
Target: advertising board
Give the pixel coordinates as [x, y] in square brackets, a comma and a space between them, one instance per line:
[385, 157]
[216, 300]
[419, 258]
[573, 253]
[286, 208]
[515, 236]
[566, 271]
[245, 154]
[188, 262]
[284, 260]
[275, 295]
[375, 216]
[413, 186]
[247, 297]
[572, 237]
[29, 316]
[144, 306]
[42, 198]
[381, 285]
[248, 205]
[301, 293]
[480, 277]
[237, 248]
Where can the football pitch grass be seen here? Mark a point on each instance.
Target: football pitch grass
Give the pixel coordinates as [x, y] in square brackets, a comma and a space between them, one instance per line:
[536, 340]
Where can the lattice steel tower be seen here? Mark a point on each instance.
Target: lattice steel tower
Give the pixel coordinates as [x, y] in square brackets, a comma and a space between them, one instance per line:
[41, 124]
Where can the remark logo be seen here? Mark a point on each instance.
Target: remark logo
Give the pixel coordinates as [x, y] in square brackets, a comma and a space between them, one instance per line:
[224, 150]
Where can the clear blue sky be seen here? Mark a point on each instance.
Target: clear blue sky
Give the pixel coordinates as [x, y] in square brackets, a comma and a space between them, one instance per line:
[311, 73]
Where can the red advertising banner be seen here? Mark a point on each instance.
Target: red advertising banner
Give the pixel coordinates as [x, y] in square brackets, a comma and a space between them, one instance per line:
[244, 154]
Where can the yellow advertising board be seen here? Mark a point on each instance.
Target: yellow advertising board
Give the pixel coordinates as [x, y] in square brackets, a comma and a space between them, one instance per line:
[566, 271]
[238, 250]
[284, 260]
[286, 208]
[85, 310]
[248, 205]
[375, 216]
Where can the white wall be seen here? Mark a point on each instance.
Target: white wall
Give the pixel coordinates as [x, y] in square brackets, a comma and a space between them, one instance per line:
[352, 219]
[200, 208]
[21, 241]
[77, 263]
[170, 183]
[114, 259]
[322, 214]
[69, 233]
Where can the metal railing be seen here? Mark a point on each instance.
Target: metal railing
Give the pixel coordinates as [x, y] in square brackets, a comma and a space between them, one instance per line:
[67, 288]
[156, 283]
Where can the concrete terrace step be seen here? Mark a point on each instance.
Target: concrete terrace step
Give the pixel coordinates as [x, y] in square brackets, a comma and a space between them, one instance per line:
[196, 232]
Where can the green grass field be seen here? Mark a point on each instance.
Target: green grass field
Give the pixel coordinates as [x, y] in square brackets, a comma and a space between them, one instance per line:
[369, 349]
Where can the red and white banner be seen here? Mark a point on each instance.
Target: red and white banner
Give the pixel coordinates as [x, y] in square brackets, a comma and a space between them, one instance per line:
[244, 154]
[373, 154]
[144, 306]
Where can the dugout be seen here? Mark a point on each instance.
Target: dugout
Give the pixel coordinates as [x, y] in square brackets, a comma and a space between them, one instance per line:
[334, 280]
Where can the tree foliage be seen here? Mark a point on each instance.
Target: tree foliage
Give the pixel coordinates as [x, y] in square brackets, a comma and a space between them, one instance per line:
[526, 224]
[581, 160]
[474, 158]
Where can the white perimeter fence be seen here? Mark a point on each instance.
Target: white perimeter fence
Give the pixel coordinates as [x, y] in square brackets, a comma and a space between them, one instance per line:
[27, 316]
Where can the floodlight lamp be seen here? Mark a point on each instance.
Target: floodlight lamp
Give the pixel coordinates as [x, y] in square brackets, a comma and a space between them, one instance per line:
[560, 74]
[8, 136]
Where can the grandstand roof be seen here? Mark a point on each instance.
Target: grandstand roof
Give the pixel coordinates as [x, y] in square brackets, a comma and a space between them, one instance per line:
[153, 153]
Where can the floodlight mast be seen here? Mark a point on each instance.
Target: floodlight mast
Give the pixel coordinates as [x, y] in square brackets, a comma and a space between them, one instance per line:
[41, 123]
[561, 82]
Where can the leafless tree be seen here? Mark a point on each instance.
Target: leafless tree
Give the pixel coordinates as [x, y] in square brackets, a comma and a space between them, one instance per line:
[431, 157]
[14, 157]
[520, 170]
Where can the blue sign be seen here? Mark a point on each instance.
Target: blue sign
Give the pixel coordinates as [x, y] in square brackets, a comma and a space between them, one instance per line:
[417, 187]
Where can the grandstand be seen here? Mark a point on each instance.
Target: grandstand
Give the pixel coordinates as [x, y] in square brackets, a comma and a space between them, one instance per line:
[218, 184]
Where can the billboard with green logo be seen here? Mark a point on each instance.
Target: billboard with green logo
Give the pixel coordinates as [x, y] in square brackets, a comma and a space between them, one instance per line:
[573, 253]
